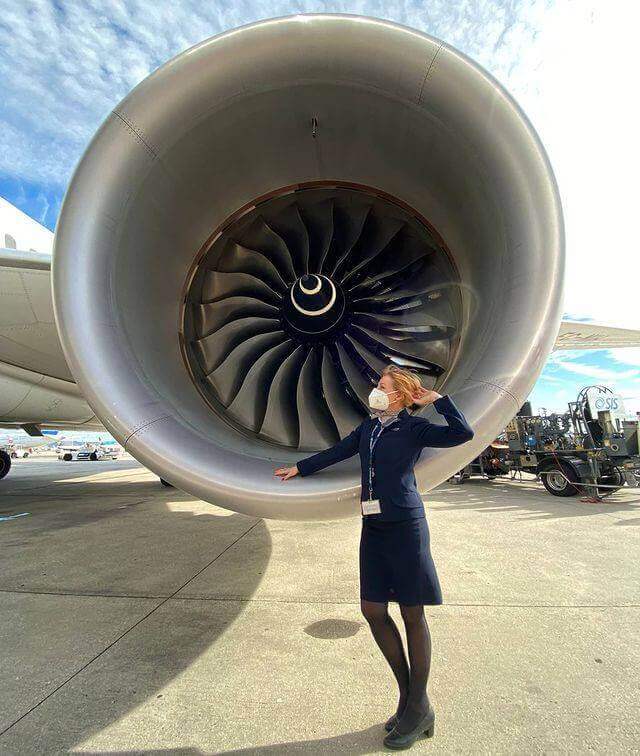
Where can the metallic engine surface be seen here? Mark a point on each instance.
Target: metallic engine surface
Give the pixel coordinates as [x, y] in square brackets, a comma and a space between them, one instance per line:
[290, 100]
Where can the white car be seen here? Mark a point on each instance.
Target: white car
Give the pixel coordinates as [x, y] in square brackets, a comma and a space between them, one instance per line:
[111, 451]
[18, 452]
[68, 453]
[88, 453]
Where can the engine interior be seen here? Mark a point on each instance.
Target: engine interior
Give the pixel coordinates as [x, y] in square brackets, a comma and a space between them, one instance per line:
[297, 305]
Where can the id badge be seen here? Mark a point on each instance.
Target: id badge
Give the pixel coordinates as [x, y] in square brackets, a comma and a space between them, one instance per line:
[370, 506]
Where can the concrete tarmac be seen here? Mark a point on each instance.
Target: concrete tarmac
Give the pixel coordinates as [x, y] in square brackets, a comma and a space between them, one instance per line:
[136, 619]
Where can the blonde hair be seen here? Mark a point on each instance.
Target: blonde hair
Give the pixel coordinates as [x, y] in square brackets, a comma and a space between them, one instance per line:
[405, 381]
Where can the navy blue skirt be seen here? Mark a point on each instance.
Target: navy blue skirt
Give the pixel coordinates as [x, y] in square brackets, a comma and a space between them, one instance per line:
[396, 563]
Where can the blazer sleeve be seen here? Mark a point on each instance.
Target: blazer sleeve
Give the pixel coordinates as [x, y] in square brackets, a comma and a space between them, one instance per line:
[344, 449]
[456, 432]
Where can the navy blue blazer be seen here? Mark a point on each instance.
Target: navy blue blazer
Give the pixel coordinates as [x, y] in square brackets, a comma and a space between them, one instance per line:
[394, 456]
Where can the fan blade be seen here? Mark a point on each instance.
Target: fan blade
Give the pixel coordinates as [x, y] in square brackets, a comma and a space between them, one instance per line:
[228, 377]
[364, 369]
[260, 236]
[213, 349]
[406, 353]
[376, 238]
[281, 424]
[317, 428]
[290, 227]
[236, 258]
[422, 277]
[387, 281]
[218, 285]
[421, 332]
[210, 317]
[347, 411]
[348, 221]
[318, 218]
[250, 403]
[347, 231]
[360, 384]
[375, 364]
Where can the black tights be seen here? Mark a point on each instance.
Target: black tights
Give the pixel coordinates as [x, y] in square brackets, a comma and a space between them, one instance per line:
[414, 702]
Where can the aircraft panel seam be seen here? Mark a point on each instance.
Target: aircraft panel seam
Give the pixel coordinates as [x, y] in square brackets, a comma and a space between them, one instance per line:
[426, 76]
[28, 296]
[496, 388]
[26, 396]
[28, 370]
[137, 133]
[143, 427]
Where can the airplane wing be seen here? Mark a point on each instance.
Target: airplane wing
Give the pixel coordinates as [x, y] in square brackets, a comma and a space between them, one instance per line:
[36, 386]
[28, 334]
[576, 334]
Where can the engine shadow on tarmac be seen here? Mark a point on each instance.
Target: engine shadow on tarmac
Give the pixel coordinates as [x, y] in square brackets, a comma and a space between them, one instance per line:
[132, 539]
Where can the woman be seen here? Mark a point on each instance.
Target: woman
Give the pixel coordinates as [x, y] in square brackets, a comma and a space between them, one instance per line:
[395, 558]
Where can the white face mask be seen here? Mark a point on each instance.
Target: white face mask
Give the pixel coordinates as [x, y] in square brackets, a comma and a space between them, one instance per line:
[379, 399]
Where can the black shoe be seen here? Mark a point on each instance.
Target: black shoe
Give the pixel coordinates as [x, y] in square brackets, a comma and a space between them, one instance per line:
[426, 725]
[391, 722]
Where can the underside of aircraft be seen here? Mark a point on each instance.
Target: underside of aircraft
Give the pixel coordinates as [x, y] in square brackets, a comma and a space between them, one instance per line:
[260, 227]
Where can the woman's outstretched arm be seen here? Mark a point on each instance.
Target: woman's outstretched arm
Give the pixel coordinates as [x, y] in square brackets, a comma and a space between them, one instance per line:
[456, 432]
[344, 449]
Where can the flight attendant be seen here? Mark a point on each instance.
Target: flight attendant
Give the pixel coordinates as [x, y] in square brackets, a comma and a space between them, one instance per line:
[395, 558]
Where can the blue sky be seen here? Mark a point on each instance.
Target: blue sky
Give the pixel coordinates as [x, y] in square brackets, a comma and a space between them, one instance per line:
[64, 65]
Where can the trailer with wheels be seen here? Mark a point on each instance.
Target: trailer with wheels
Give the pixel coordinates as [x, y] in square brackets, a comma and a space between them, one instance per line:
[589, 450]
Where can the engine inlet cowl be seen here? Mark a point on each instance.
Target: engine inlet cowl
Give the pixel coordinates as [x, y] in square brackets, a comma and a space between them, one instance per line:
[274, 215]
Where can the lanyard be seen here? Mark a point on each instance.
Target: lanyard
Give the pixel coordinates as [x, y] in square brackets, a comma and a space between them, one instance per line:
[373, 439]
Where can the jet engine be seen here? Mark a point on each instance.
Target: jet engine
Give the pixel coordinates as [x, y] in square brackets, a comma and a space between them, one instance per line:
[274, 215]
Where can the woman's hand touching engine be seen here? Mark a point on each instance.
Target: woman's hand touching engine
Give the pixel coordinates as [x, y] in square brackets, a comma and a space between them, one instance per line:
[424, 396]
[286, 472]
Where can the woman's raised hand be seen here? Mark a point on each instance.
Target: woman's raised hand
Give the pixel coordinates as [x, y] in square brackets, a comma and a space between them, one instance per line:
[424, 396]
[286, 472]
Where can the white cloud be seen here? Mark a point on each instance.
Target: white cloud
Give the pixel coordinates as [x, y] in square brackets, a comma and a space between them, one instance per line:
[568, 360]
[623, 357]
[578, 93]
[65, 66]
[601, 374]
[569, 369]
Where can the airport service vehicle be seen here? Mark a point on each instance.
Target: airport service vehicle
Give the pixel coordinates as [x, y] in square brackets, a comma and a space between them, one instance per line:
[263, 224]
[110, 450]
[68, 453]
[19, 452]
[591, 449]
[9, 451]
[88, 453]
[15, 451]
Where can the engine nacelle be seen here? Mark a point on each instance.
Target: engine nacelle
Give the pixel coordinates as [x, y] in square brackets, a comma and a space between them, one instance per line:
[275, 214]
